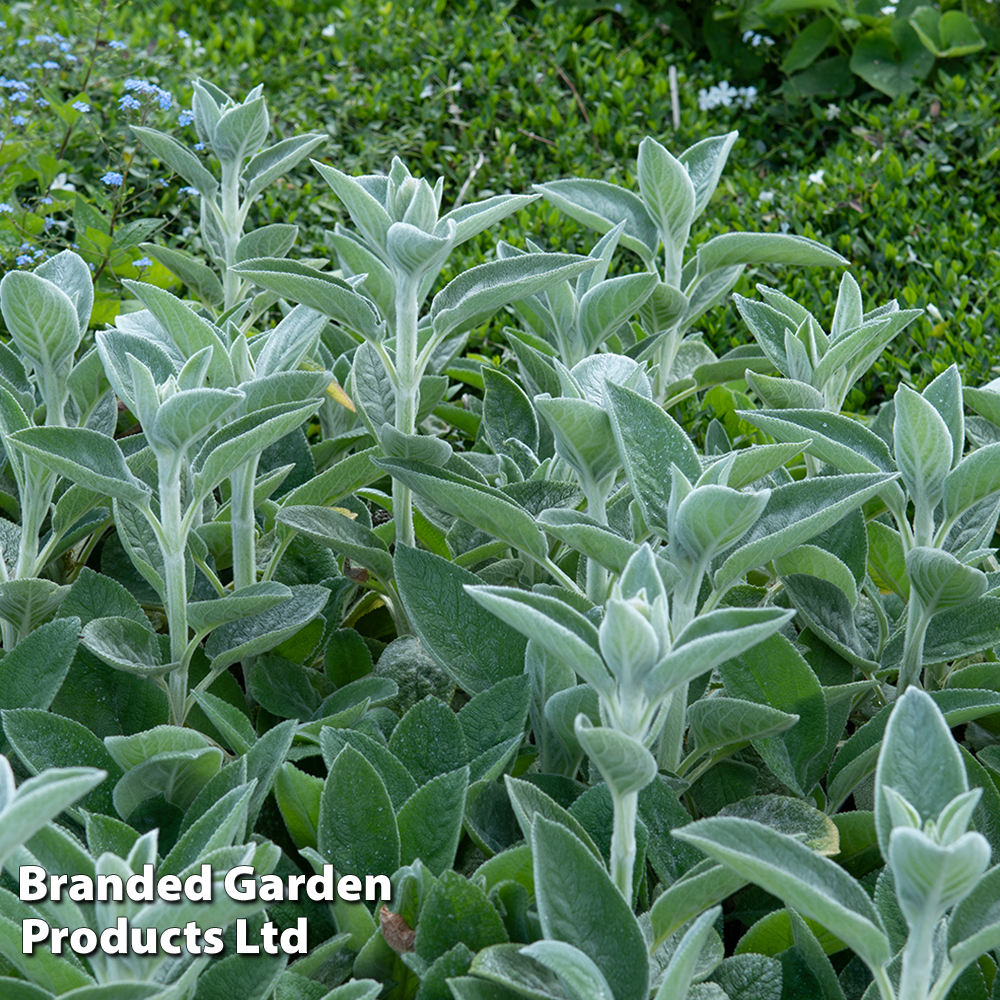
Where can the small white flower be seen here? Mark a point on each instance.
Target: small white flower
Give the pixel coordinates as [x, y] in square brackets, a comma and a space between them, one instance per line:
[765, 197]
[889, 8]
[329, 31]
[832, 112]
[932, 311]
[817, 178]
[850, 23]
[784, 227]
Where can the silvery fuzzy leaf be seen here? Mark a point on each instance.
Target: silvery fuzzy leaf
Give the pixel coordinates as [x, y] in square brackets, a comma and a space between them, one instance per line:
[794, 514]
[590, 376]
[945, 394]
[704, 162]
[625, 764]
[849, 312]
[529, 802]
[507, 412]
[974, 927]
[607, 305]
[341, 533]
[842, 442]
[26, 603]
[732, 249]
[480, 215]
[578, 903]
[711, 639]
[417, 252]
[282, 388]
[42, 321]
[420, 447]
[941, 581]
[179, 158]
[784, 393]
[241, 131]
[663, 310]
[263, 631]
[811, 560]
[588, 536]
[712, 518]
[719, 722]
[479, 292]
[919, 759]
[930, 878]
[192, 271]
[269, 164]
[86, 457]
[186, 328]
[203, 616]
[484, 506]
[357, 257]
[976, 477]
[127, 645]
[602, 206]
[800, 364]
[319, 290]
[826, 609]
[267, 241]
[188, 416]
[574, 969]
[28, 807]
[583, 436]
[367, 211]
[243, 439]
[768, 326]
[554, 625]
[815, 886]
[669, 197]
[923, 447]
[984, 400]
[679, 974]
[69, 273]
[649, 440]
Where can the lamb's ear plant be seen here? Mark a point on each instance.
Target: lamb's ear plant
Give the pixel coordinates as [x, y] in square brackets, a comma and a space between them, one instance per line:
[235, 132]
[42, 382]
[673, 193]
[819, 367]
[637, 662]
[393, 259]
[930, 562]
[27, 808]
[211, 838]
[576, 319]
[936, 866]
[193, 454]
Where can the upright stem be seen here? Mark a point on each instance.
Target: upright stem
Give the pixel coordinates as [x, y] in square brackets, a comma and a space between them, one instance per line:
[174, 543]
[407, 395]
[597, 575]
[243, 525]
[917, 621]
[232, 229]
[626, 811]
[918, 956]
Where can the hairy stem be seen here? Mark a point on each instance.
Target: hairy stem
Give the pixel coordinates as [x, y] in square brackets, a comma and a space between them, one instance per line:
[626, 811]
[173, 543]
[243, 525]
[407, 395]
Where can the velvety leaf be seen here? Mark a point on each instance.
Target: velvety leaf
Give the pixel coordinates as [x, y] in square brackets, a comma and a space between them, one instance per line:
[579, 904]
[357, 826]
[814, 885]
